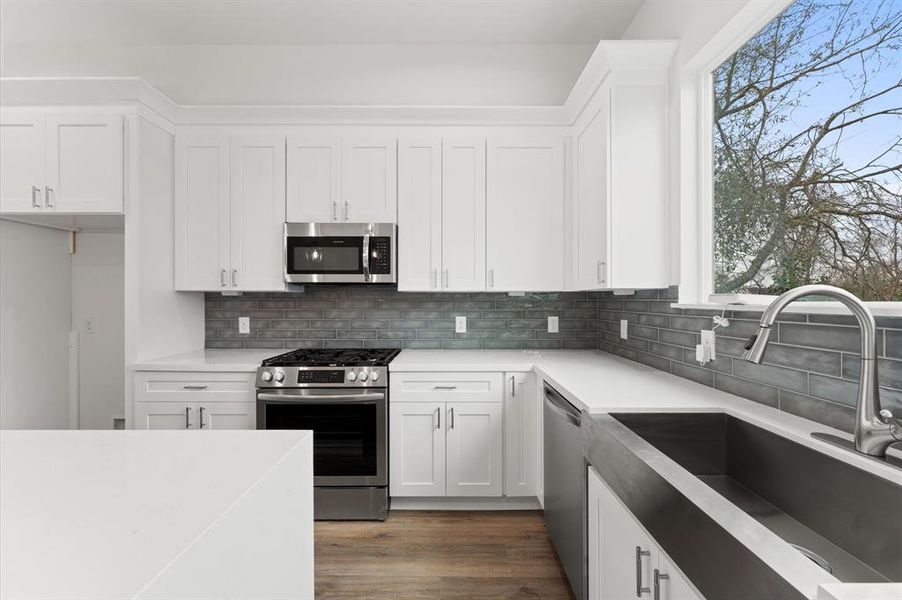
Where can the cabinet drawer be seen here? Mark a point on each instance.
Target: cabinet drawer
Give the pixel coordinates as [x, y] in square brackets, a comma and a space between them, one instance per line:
[194, 387]
[452, 387]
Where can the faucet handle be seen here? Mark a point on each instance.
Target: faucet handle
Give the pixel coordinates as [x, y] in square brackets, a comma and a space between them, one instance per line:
[886, 415]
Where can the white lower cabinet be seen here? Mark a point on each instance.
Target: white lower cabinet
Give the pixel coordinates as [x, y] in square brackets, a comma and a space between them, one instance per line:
[521, 434]
[446, 435]
[190, 400]
[624, 560]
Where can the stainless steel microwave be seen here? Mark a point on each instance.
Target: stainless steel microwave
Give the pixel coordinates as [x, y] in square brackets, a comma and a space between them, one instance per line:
[340, 253]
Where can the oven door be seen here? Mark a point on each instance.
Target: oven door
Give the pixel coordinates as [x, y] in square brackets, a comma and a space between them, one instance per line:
[339, 253]
[350, 430]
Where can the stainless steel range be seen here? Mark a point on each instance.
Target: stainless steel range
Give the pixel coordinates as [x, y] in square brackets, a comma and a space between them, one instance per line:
[342, 396]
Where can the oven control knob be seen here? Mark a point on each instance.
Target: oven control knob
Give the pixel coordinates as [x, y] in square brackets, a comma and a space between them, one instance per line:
[363, 376]
[280, 376]
[267, 376]
[352, 376]
[375, 375]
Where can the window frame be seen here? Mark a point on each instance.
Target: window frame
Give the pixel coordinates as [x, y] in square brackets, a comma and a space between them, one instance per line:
[697, 198]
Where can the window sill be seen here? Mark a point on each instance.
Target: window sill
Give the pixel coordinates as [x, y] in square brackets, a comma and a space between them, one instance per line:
[879, 309]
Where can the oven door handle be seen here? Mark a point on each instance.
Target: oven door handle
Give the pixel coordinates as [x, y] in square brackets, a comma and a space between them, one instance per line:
[327, 398]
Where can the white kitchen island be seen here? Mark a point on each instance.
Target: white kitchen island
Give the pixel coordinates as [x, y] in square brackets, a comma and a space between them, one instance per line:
[156, 514]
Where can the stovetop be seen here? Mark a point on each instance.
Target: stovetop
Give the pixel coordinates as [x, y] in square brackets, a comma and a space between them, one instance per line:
[350, 357]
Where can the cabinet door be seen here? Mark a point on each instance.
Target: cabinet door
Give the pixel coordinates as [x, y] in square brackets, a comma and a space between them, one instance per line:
[524, 215]
[227, 415]
[202, 212]
[84, 163]
[369, 180]
[675, 586]
[417, 449]
[165, 415]
[590, 227]
[616, 544]
[474, 447]
[521, 435]
[314, 179]
[22, 159]
[419, 214]
[258, 213]
[463, 214]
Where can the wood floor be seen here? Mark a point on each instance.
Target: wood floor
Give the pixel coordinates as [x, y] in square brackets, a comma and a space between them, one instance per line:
[445, 555]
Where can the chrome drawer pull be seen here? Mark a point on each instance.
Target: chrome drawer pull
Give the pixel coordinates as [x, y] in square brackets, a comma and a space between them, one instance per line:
[658, 577]
[445, 388]
[639, 589]
[195, 387]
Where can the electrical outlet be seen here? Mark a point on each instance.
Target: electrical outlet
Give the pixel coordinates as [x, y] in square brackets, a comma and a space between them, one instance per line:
[244, 325]
[553, 325]
[90, 325]
[708, 343]
[460, 324]
[623, 328]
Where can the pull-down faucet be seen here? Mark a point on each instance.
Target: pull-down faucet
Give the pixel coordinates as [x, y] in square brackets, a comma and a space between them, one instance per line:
[875, 429]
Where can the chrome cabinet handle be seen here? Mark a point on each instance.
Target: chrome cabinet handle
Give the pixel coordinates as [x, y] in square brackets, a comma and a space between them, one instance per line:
[491, 278]
[438, 415]
[35, 197]
[639, 554]
[234, 277]
[47, 201]
[452, 417]
[513, 387]
[222, 277]
[192, 386]
[444, 388]
[445, 279]
[187, 417]
[334, 210]
[347, 208]
[201, 411]
[598, 277]
[658, 577]
[434, 277]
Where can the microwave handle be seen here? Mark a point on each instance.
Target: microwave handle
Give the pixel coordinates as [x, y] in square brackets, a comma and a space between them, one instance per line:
[366, 257]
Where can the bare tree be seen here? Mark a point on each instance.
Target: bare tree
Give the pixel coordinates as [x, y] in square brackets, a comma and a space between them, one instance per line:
[797, 198]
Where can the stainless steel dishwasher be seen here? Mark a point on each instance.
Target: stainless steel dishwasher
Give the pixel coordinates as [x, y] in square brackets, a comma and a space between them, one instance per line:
[565, 487]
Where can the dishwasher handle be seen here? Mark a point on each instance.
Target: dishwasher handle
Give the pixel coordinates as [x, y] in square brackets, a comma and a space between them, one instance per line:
[556, 402]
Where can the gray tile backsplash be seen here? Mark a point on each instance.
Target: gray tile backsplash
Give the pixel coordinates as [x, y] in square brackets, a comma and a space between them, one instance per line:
[336, 316]
[810, 368]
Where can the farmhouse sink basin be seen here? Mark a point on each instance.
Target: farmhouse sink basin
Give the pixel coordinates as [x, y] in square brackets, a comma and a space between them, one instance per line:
[841, 517]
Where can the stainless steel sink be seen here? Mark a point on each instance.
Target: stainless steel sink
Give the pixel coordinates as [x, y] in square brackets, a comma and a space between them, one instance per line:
[846, 520]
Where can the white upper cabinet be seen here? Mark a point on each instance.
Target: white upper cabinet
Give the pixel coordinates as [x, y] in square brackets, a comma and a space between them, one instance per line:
[621, 175]
[441, 214]
[419, 214]
[229, 211]
[369, 184]
[69, 163]
[257, 212]
[463, 214]
[524, 214]
[202, 212]
[22, 159]
[314, 180]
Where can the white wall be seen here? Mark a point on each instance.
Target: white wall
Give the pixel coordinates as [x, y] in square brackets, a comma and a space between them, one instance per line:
[35, 317]
[98, 296]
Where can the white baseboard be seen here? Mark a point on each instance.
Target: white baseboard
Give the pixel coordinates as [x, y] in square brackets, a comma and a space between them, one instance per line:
[526, 503]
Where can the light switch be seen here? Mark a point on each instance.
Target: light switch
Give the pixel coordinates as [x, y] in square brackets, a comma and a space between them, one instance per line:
[460, 324]
[90, 325]
[244, 325]
[552, 324]
[623, 328]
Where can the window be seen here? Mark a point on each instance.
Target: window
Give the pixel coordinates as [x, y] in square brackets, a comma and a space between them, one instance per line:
[807, 152]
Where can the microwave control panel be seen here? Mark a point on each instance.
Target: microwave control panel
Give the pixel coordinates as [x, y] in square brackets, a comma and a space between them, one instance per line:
[380, 255]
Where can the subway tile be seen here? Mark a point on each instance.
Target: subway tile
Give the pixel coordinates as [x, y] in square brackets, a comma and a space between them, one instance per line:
[832, 337]
[679, 338]
[224, 344]
[306, 313]
[652, 360]
[781, 377]
[846, 392]
[661, 321]
[409, 324]
[383, 343]
[265, 345]
[722, 364]
[696, 374]
[587, 344]
[502, 344]
[804, 359]
[893, 343]
[831, 414]
[763, 394]
[648, 333]
[281, 304]
[339, 344]
[542, 344]
[672, 352]
[690, 323]
[423, 344]
[291, 324]
[461, 344]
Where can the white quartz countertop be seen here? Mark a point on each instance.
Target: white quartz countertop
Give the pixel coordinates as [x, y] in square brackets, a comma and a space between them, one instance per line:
[156, 514]
[208, 360]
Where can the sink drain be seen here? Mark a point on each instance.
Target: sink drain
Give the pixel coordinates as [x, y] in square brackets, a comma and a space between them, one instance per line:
[813, 557]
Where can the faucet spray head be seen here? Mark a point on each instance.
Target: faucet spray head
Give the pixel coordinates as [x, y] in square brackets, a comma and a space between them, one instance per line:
[754, 348]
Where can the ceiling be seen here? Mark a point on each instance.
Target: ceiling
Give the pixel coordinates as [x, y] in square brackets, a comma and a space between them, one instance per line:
[318, 52]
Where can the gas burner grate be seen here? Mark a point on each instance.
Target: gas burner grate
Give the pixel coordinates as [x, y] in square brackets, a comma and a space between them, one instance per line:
[349, 357]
